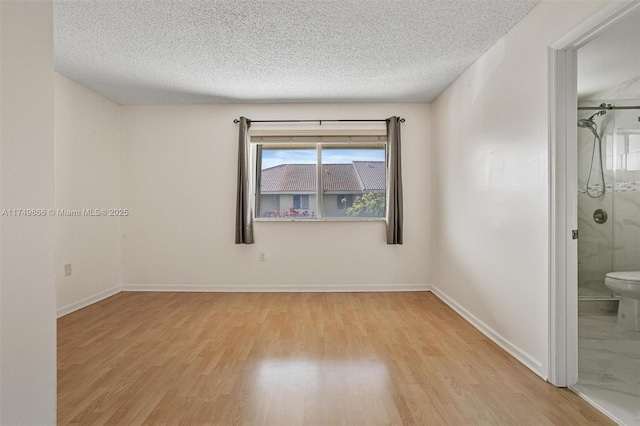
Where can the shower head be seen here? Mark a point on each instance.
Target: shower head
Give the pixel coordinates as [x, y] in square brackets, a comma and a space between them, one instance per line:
[585, 123]
[597, 114]
[588, 123]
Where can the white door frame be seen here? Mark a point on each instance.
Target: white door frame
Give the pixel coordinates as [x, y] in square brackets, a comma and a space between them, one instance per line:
[563, 258]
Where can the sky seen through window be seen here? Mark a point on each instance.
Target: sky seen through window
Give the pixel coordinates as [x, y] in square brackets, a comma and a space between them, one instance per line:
[276, 157]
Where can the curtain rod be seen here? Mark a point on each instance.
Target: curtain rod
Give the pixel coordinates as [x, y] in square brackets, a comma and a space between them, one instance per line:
[610, 107]
[236, 121]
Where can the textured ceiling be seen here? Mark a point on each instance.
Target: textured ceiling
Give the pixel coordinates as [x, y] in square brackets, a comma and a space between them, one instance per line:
[275, 51]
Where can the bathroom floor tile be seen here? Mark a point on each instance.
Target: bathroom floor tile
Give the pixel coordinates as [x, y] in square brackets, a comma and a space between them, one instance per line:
[621, 402]
[609, 366]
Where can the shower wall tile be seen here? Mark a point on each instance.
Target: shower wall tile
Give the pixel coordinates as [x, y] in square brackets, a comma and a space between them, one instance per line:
[595, 255]
[586, 153]
[614, 245]
[587, 252]
[627, 225]
[593, 288]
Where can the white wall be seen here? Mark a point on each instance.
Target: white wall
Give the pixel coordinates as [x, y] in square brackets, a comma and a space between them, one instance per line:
[491, 203]
[179, 183]
[1, 280]
[87, 130]
[27, 275]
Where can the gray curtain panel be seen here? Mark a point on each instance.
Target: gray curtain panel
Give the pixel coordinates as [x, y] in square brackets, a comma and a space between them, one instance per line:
[244, 214]
[394, 182]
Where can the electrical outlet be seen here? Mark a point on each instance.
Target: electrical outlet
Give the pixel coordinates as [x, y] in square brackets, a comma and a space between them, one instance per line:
[67, 269]
[263, 256]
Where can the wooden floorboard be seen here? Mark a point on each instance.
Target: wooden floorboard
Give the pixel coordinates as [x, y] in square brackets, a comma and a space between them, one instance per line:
[294, 359]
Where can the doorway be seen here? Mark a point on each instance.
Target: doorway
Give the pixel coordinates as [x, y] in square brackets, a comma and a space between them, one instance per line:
[565, 192]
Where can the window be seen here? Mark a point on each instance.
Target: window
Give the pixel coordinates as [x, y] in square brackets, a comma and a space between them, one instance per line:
[286, 183]
[322, 180]
[301, 202]
[623, 151]
[344, 201]
[357, 176]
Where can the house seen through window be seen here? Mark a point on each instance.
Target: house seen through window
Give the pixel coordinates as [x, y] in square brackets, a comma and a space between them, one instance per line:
[301, 202]
[318, 181]
[344, 201]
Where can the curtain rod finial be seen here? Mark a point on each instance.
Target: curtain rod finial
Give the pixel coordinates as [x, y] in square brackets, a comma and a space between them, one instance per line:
[402, 120]
[236, 121]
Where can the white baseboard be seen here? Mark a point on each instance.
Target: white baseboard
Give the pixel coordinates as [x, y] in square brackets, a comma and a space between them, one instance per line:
[88, 301]
[526, 359]
[274, 288]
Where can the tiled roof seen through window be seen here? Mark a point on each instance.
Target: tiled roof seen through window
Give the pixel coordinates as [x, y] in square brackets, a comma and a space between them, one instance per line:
[359, 176]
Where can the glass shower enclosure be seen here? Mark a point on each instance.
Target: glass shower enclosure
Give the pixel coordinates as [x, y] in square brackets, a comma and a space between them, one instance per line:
[608, 193]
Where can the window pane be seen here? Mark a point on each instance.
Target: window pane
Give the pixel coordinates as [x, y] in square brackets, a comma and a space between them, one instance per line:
[634, 143]
[287, 183]
[353, 182]
[344, 201]
[633, 161]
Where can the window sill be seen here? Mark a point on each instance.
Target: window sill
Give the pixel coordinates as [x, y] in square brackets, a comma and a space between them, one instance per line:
[324, 219]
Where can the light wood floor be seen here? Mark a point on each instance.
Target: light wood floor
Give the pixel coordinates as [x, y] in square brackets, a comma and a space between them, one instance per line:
[294, 358]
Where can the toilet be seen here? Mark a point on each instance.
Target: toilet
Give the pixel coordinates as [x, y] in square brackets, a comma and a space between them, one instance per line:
[627, 285]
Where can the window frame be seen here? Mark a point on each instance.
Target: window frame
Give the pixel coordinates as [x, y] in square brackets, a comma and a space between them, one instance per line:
[258, 145]
[348, 203]
[303, 200]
